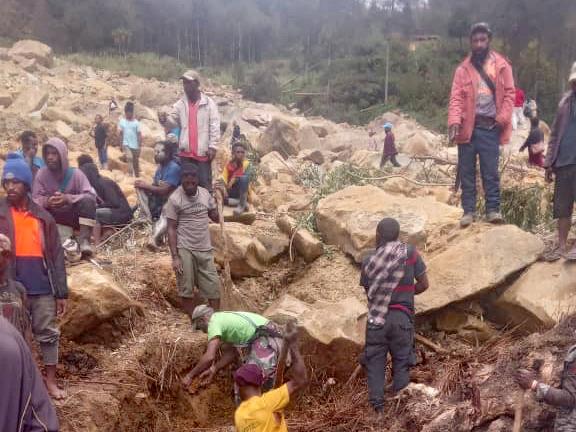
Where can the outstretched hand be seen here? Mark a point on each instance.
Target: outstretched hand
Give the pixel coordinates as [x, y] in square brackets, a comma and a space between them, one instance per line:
[524, 378]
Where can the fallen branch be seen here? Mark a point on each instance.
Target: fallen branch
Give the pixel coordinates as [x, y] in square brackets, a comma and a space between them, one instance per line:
[408, 179]
[118, 233]
[428, 343]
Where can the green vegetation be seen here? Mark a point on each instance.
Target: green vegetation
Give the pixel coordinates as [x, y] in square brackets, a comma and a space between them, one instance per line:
[326, 57]
[311, 176]
[146, 65]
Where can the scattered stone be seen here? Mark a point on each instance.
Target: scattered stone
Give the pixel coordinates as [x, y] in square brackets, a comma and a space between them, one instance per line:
[476, 264]
[281, 136]
[366, 159]
[54, 114]
[349, 217]
[5, 99]
[250, 252]
[94, 299]
[34, 50]
[63, 130]
[29, 100]
[307, 246]
[314, 156]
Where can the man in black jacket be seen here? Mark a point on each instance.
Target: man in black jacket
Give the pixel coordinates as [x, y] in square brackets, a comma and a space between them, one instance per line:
[38, 262]
[112, 208]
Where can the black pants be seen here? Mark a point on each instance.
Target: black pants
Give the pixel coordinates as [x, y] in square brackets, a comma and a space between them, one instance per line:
[204, 171]
[396, 337]
[385, 159]
[71, 215]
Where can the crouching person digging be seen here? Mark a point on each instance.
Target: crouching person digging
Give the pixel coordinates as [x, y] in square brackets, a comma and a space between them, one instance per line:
[244, 336]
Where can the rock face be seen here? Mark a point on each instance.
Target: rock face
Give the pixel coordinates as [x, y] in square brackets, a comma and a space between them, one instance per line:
[349, 217]
[476, 264]
[5, 99]
[541, 296]
[33, 50]
[307, 246]
[30, 100]
[366, 159]
[94, 299]
[333, 333]
[280, 136]
[249, 251]
[63, 130]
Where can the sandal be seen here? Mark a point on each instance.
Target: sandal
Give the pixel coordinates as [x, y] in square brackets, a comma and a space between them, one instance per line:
[570, 256]
[553, 254]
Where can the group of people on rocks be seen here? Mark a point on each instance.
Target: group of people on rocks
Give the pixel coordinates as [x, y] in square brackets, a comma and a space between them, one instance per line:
[44, 192]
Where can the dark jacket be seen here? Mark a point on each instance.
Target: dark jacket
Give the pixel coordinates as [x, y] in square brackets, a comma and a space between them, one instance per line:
[109, 193]
[558, 129]
[24, 402]
[53, 252]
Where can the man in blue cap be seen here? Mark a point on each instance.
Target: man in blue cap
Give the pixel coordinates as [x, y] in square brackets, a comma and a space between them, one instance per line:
[38, 262]
[390, 151]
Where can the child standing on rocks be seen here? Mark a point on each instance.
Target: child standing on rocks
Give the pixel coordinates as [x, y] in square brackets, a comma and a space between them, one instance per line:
[131, 138]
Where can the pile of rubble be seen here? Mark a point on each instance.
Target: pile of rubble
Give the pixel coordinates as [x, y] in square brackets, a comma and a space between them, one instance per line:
[123, 317]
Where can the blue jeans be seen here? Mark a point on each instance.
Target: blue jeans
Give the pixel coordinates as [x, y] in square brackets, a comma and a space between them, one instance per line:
[103, 155]
[485, 145]
[240, 187]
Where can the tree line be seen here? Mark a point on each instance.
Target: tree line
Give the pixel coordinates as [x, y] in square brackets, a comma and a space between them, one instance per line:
[325, 56]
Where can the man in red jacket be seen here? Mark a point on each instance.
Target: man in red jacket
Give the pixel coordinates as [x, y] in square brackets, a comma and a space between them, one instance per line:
[480, 120]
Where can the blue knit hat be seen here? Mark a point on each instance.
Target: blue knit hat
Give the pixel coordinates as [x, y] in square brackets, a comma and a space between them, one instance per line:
[16, 168]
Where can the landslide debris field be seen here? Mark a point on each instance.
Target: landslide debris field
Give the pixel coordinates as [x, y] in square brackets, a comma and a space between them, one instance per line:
[492, 305]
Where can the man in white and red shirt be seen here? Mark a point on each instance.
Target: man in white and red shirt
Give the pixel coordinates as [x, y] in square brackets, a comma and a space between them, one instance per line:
[199, 121]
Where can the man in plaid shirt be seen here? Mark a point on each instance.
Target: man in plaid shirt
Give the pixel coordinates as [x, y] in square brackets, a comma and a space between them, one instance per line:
[391, 276]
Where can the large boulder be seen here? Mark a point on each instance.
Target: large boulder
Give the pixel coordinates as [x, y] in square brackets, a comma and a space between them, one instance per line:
[307, 246]
[259, 115]
[308, 138]
[345, 139]
[477, 263]
[30, 100]
[5, 98]
[366, 159]
[421, 143]
[281, 136]
[250, 251]
[63, 130]
[541, 297]
[349, 217]
[272, 164]
[288, 196]
[33, 50]
[94, 298]
[333, 333]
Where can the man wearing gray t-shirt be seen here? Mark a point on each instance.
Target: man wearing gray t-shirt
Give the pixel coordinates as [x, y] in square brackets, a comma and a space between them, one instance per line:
[189, 211]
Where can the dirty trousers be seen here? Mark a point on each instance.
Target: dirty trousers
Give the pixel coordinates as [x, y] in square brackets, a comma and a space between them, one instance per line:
[397, 337]
[43, 316]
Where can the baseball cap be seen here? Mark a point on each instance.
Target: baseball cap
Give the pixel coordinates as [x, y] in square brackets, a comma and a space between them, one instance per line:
[199, 312]
[190, 75]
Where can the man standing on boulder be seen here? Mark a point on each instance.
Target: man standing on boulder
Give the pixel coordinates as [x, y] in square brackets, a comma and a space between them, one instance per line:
[199, 121]
[188, 211]
[391, 276]
[480, 120]
[66, 193]
[560, 166]
[38, 261]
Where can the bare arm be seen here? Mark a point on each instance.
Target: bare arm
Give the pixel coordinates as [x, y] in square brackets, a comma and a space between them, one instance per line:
[213, 215]
[207, 358]
[163, 189]
[228, 356]
[299, 375]
[422, 283]
[172, 238]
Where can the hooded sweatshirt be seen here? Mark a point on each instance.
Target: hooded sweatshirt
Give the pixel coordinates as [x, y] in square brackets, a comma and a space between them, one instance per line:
[24, 402]
[48, 183]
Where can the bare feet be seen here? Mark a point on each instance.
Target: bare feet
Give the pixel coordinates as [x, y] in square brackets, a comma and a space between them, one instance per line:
[56, 392]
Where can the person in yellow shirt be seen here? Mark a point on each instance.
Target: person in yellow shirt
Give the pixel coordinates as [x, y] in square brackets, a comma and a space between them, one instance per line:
[263, 412]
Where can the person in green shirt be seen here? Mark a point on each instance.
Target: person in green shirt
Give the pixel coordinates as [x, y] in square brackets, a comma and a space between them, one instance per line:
[244, 336]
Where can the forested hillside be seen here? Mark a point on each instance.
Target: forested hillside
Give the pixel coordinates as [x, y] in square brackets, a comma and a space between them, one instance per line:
[297, 51]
